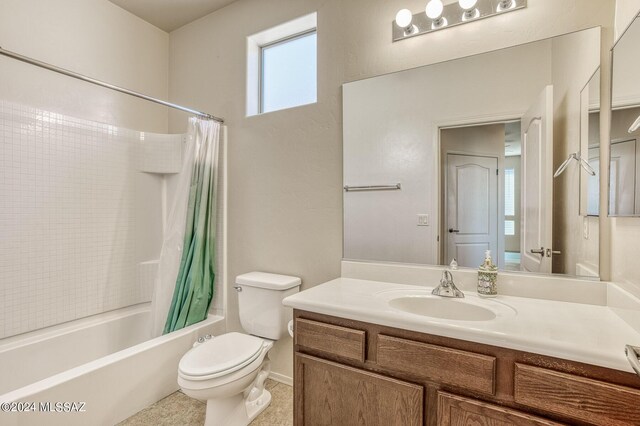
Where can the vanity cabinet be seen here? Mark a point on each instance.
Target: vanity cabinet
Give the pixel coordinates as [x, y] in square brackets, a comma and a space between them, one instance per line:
[354, 373]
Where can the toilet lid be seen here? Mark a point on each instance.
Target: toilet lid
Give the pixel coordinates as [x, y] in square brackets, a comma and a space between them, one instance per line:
[223, 354]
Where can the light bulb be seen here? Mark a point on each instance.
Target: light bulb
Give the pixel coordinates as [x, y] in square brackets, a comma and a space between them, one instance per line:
[404, 18]
[467, 4]
[434, 9]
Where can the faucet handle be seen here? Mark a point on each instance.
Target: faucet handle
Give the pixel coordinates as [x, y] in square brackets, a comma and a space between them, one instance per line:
[447, 287]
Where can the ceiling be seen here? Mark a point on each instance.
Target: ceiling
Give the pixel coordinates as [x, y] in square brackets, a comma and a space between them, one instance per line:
[169, 15]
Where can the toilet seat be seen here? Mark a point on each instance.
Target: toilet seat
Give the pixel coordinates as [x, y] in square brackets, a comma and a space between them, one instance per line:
[220, 356]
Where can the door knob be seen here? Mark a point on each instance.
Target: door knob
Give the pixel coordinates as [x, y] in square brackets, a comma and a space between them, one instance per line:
[453, 231]
[539, 251]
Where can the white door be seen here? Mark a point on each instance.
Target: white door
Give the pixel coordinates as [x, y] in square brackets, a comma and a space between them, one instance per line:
[471, 208]
[537, 184]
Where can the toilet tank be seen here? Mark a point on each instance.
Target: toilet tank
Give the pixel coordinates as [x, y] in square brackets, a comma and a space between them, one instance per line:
[260, 296]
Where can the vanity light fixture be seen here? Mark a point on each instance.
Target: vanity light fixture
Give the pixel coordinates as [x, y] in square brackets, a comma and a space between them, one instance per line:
[437, 15]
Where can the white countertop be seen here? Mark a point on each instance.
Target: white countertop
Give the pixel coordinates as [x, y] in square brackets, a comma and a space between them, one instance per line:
[591, 334]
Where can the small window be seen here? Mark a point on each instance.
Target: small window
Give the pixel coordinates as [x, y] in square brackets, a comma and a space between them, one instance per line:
[282, 66]
[289, 73]
[509, 192]
[509, 227]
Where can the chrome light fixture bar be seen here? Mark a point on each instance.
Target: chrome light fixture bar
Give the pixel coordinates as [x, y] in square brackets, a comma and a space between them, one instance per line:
[438, 16]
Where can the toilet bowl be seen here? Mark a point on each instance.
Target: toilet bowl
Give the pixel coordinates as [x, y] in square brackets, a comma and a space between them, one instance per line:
[229, 371]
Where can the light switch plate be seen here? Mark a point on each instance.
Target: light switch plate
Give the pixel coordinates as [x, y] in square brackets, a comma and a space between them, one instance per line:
[423, 220]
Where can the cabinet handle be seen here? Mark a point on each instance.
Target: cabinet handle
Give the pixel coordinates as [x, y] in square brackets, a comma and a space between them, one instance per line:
[453, 231]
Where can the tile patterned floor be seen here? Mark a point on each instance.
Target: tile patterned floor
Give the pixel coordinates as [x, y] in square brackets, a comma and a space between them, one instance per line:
[179, 410]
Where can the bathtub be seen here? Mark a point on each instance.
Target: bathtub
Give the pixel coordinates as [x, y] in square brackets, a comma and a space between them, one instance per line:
[105, 368]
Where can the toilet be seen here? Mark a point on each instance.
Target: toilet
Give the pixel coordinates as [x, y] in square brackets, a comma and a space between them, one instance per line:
[229, 371]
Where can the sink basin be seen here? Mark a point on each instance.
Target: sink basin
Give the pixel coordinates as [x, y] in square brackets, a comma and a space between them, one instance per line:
[450, 309]
[420, 301]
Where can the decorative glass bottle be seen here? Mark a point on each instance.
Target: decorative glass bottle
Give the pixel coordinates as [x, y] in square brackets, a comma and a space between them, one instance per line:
[488, 277]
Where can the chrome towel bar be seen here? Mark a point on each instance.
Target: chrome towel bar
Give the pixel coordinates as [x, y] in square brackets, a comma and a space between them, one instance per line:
[395, 187]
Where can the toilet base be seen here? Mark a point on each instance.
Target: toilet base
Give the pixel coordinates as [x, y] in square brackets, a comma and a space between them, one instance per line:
[258, 406]
[236, 410]
[240, 409]
[258, 398]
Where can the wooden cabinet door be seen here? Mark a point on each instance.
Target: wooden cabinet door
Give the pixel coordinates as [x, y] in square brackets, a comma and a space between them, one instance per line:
[328, 393]
[455, 410]
[587, 400]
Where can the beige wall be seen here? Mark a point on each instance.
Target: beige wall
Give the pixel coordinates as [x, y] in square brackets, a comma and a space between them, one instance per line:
[625, 87]
[626, 11]
[285, 168]
[92, 37]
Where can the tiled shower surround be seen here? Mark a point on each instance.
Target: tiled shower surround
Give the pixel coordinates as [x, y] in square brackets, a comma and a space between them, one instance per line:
[80, 222]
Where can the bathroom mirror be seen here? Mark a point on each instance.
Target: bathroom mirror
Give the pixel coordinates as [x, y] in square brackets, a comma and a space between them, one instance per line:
[589, 242]
[624, 166]
[448, 160]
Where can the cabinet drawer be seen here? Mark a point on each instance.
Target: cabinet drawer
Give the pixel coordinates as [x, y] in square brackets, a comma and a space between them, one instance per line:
[330, 339]
[438, 364]
[455, 410]
[576, 397]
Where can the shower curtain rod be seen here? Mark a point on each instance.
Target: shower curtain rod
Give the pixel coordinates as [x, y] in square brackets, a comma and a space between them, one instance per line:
[68, 73]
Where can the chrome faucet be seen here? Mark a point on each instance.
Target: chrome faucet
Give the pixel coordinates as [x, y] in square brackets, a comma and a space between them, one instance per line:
[447, 287]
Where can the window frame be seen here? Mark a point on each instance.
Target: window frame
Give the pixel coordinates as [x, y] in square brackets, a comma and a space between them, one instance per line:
[274, 43]
[265, 37]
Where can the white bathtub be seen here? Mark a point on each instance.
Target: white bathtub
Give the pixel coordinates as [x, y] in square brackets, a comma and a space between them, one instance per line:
[106, 363]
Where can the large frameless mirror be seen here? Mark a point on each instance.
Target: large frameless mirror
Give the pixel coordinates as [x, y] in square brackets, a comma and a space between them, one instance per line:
[624, 167]
[448, 160]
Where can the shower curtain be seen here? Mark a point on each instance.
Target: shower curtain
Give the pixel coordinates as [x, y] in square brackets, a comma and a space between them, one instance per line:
[186, 270]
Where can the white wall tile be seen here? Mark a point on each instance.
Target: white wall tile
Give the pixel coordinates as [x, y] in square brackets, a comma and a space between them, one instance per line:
[68, 223]
[160, 153]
